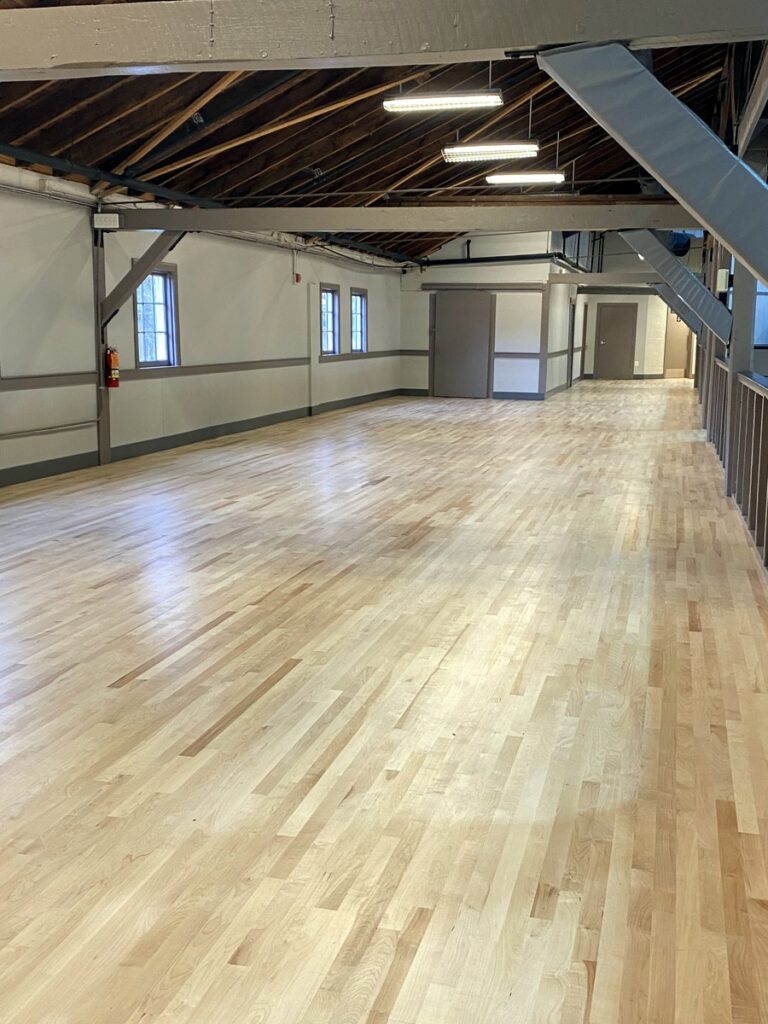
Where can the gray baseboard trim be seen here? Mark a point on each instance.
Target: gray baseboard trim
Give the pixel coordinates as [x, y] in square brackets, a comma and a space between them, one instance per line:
[377, 396]
[554, 391]
[648, 376]
[162, 444]
[51, 467]
[588, 376]
[520, 396]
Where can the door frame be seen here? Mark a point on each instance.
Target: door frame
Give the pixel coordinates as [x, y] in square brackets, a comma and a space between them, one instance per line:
[571, 340]
[599, 308]
[432, 336]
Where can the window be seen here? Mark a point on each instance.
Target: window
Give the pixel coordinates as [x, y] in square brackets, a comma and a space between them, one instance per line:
[359, 308]
[329, 320]
[761, 316]
[155, 314]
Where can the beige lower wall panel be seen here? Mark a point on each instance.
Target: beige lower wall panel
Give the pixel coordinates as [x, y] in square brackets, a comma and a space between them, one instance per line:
[245, 395]
[516, 375]
[186, 404]
[414, 372]
[336, 381]
[557, 372]
[136, 412]
[48, 407]
[142, 410]
[25, 451]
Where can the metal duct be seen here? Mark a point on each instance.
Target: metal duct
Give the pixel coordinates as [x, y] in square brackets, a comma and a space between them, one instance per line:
[671, 142]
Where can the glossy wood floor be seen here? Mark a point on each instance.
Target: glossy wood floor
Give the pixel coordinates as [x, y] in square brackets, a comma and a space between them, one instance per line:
[423, 713]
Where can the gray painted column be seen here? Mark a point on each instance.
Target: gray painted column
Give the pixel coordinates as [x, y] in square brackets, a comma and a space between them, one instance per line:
[739, 360]
[104, 433]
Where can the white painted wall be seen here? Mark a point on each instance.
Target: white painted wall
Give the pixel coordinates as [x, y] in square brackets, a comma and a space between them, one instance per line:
[46, 324]
[237, 303]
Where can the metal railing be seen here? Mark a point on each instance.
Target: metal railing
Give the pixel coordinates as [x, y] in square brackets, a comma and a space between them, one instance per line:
[718, 433]
[750, 456]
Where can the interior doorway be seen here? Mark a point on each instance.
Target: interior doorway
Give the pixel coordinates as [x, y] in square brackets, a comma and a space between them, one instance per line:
[677, 351]
[462, 344]
[615, 340]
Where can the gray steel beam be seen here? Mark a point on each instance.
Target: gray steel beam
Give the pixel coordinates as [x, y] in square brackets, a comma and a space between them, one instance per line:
[683, 283]
[679, 308]
[755, 106]
[143, 266]
[671, 142]
[608, 278]
[218, 35]
[515, 216]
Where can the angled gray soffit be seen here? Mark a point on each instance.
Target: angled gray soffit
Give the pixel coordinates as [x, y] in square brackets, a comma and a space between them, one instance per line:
[683, 283]
[679, 308]
[671, 142]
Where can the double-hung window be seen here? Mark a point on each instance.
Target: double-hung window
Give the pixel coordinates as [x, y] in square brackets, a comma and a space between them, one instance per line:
[329, 320]
[359, 311]
[157, 341]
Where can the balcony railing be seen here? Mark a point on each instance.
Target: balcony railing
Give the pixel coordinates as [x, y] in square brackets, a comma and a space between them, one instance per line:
[750, 456]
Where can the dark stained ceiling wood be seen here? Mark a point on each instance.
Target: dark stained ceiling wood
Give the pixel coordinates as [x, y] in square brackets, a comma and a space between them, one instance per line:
[322, 137]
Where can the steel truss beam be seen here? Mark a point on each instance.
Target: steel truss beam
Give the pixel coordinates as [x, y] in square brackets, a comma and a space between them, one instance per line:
[671, 142]
[535, 215]
[226, 35]
[679, 308]
[684, 284]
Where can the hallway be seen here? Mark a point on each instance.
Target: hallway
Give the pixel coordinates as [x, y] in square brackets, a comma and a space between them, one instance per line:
[423, 712]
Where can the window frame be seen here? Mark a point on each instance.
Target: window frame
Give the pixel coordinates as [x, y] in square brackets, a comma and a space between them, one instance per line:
[170, 272]
[335, 290]
[761, 293]
[361, 293]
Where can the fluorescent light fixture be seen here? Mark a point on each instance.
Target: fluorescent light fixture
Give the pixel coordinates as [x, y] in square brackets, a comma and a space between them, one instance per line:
[490, 151]
[641, 257]
[404, 103]
[527, 178]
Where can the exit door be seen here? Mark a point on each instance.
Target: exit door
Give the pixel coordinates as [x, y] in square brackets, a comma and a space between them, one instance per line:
[462, 344]
[615, 340]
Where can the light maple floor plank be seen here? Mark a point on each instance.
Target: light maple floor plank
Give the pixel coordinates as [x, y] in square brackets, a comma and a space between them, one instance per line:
[422, 713]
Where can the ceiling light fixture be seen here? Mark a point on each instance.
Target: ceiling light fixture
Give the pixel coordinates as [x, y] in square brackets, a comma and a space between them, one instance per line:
[529, 178]
[410, 102]
[490, 151]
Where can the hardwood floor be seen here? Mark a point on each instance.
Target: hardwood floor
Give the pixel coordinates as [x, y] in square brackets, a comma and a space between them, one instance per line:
[430, 712]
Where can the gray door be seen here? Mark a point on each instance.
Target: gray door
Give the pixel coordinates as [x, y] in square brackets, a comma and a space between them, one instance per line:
[615, 340]
[462, 344]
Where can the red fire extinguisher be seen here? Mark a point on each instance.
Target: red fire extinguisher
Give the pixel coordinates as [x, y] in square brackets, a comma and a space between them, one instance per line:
[112, 368]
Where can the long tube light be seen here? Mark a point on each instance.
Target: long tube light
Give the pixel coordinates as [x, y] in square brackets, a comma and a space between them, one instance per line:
[527, 178]
[423, 101]
[490, 151]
